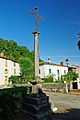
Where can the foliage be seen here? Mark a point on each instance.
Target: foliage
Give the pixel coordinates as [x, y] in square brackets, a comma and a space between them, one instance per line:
[11, 100]
[15, 79]
[23, 56]
[12, 50]
[20, 54]
[48, 79]
[27, 69]
[71, 75]
[58, 81]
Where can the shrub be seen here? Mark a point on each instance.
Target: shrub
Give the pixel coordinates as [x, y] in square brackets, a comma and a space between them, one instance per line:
[11, 100]
[48, 79]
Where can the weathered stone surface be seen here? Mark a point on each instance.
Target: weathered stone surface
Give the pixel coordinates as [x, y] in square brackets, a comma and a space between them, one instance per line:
[37, 106]
[54, 86]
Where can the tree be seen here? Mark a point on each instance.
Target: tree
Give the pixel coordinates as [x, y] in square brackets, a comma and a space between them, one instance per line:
[15, 79]
[22, 55]
[27, 68]
[70, 76]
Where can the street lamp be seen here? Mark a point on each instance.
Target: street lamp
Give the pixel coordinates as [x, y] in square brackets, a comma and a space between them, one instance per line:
[67, 61]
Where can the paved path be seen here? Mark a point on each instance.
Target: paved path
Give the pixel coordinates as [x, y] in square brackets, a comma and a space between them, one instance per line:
[67, 104]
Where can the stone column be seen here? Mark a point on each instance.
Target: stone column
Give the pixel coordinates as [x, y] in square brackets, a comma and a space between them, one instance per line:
[36, 56]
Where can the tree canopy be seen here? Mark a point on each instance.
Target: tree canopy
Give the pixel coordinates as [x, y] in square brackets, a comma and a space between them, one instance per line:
[22, 55]
[70, 76]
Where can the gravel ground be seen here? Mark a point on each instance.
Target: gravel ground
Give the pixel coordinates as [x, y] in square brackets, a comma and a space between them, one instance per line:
[68, 105]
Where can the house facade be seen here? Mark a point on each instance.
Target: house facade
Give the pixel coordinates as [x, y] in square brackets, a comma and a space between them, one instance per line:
[8, 67]
[77, 70]
[47, 68]
[57, 70]
[76, 84]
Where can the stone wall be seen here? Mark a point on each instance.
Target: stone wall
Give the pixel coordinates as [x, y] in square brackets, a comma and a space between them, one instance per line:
[53, 87]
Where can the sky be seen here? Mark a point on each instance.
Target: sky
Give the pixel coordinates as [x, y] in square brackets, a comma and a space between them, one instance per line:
[58, 29]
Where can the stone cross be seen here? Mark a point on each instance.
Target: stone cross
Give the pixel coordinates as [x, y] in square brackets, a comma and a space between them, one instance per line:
[36, 50]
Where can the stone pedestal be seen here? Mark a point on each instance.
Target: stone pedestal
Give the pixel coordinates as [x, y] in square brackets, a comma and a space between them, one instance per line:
[37, 106]
[36, 84]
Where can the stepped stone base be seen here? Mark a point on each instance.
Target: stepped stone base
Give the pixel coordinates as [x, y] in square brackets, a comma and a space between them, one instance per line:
[37, 106]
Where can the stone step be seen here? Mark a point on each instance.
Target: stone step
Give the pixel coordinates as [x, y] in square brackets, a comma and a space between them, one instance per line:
[36, 100]
[39, 116]
[36, 109]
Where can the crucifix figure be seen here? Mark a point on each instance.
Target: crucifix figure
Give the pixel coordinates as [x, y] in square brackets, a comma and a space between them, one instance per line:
[36, 48]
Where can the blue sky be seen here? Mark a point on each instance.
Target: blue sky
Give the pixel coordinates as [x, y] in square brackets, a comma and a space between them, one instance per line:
[58, 29]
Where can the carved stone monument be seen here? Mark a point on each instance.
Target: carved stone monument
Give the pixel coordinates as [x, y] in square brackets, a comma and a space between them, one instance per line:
[36, 82]
[37, 105]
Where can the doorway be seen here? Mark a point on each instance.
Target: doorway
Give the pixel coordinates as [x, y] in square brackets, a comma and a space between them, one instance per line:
[75, 86]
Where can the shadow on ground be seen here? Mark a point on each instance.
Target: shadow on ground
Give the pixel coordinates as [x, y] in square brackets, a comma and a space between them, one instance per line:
[70, 114]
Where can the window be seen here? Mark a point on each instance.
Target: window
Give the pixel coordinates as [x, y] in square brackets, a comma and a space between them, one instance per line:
[49, 70]
[58, 72]
[58, 77]
[6, 80]
[39, 71]
[6, 63]
[14, 64]
[14, 71]
[64, 71]
[6, 71]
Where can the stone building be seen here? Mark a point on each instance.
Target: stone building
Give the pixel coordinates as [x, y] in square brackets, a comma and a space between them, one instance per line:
[76, 83]
[57, 70]
[78, 70]
[8, 67]
[48, 68]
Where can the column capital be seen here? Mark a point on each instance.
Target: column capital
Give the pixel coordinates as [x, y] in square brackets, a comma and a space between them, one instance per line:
[36, 32]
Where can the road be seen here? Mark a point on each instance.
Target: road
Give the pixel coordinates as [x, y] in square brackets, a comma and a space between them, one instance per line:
[67, 104]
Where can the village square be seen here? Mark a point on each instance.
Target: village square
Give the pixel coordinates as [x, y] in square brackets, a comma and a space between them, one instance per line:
[32, 87]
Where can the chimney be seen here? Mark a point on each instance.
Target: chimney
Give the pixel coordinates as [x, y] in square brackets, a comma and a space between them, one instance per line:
[49, 61]
[62, 63]
[2, 54]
